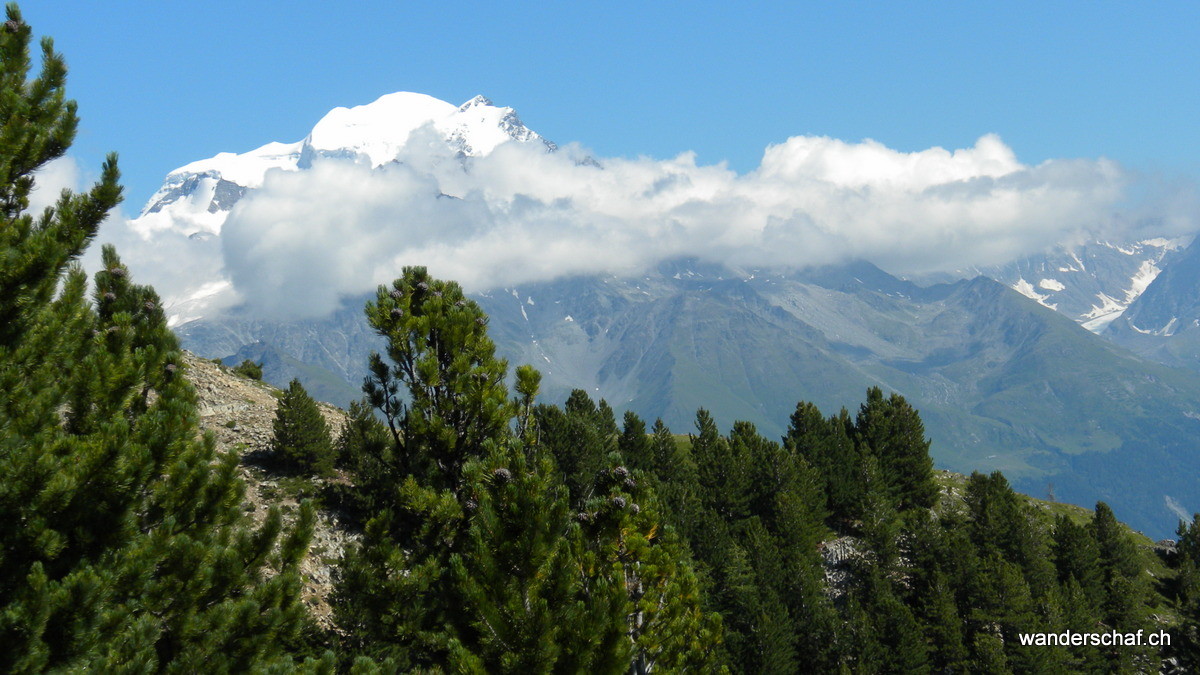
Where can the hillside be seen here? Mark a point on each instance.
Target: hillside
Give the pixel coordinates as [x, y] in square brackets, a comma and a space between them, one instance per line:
[1001, 382]
[239, 412]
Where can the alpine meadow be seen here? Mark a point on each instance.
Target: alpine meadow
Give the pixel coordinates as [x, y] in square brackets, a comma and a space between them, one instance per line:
[426, 392]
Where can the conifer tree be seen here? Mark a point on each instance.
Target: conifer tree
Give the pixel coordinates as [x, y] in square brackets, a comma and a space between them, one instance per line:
[470, 560]
[949, 654]
[634, 444]
[826, 446]
[513, 577]
[892, 431]
[1186, 638]
[723, 468]
[676, 479]
[301, 440]
[443, 358]
[1077, 557]
[123, 545]
[582, 439]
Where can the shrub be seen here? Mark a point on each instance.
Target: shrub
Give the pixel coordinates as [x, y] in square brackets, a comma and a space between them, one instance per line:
[301, 441]
[249, 369]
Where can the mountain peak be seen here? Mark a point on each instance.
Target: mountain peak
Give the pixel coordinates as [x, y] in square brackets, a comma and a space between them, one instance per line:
[479, 100]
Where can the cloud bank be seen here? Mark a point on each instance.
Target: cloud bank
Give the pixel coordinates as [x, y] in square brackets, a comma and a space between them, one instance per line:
[308, 238]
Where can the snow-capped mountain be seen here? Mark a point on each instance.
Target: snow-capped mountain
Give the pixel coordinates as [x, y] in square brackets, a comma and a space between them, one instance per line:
[196, 198]
[1092, 283]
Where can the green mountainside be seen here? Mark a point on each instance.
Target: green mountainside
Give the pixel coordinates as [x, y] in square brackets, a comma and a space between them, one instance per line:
[1002, 382]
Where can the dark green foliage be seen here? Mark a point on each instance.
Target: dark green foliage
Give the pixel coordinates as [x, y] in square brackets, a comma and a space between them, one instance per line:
[676, 478]
[581, 437]
[480, 552]
[443, 359]
[1077, 556]
[301, 441]
[891, 431]
[123, 546]
[723, 470]
[513, 576]
[1186, 638]
[250, 369]
[827, 446]
[635, 445]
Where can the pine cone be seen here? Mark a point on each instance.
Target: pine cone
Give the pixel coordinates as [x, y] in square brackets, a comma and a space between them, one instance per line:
[618, 502]
[502, 475]
[396, 294]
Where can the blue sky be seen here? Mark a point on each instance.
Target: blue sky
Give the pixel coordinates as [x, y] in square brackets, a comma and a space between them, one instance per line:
[165, 83]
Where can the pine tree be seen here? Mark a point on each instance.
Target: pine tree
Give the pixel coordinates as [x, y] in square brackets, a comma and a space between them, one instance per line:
[581, 440]
[1126, 586]
[1077, 557]
[513, 577]
[124, 545]
[828, 448]
[625, 545]
[723, 469]
[301, 440]
[250, 369]
[944, 627]
[677, 480]
[634, 444]
[892, 431]
[442, 356]
[1186, 638]
[470, 560]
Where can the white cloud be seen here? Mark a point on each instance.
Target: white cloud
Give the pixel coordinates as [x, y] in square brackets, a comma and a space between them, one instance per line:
[306, 239]
[49, 182]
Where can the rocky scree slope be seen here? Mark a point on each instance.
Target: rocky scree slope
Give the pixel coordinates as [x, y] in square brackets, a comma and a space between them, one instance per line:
[240, 412]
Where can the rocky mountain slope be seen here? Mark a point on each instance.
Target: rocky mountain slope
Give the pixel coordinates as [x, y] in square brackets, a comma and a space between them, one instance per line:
[1001, 382]
[1092, 283]
[239, 412]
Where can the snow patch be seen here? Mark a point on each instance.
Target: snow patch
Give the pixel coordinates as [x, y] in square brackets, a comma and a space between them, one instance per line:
[1145, 274]
[1051, 285]
[190, 307]
[1168, 244]
[1026, 289]
[1166, 331]
[1175, 507]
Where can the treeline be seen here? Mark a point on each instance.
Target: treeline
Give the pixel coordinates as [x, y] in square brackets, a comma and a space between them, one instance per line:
[506, 535]
[499, 533]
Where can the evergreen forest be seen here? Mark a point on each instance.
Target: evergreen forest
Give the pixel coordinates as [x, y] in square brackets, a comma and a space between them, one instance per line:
[500, 533]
